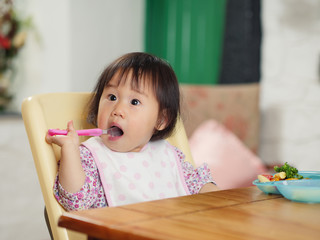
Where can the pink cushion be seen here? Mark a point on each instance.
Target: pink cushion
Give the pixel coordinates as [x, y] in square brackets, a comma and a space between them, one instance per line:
[231, 163]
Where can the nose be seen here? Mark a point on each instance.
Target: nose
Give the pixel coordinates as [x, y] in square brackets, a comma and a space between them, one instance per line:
[118, 111]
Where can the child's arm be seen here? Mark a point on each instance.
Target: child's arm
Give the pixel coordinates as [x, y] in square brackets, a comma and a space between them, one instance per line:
[198, 180]
[71, 174]
[209, 187]
[91, 194]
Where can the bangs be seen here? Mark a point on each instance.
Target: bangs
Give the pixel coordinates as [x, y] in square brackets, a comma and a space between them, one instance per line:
[139, 78]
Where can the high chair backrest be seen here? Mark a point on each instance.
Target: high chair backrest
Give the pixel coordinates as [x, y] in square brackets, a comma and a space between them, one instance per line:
[54, 110]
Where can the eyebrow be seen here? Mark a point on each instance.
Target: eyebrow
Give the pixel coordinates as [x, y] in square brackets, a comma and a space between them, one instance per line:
[133, 89]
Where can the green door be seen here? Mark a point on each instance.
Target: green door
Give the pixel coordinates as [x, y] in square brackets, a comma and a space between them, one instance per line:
[189, 34]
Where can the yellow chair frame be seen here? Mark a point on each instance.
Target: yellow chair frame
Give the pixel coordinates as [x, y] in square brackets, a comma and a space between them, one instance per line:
[54, 110]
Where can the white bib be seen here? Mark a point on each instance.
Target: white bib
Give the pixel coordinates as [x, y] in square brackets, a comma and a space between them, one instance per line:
[153, 173]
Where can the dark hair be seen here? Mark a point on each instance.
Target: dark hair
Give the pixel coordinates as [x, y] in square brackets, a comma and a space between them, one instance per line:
[144, 67]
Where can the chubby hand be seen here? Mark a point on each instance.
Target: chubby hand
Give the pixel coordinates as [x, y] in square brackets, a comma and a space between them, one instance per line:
[71, 174]
[71, 138]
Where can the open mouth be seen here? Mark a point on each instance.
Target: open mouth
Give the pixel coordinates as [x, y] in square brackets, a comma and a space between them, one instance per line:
[115, 131]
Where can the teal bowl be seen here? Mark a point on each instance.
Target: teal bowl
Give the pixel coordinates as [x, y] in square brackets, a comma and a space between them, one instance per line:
[271, 187]
[307, 191]
[310, 174]
[266, 187]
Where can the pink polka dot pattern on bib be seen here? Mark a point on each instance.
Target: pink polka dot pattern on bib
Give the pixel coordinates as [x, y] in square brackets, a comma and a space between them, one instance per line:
[130, 155]
[162, 195]
[123, 168]
[122, 197]
[132, 186]
[163, 164]
[117, 175]
[145, 164]
[169, 185]
[137, 176]
[151, 185]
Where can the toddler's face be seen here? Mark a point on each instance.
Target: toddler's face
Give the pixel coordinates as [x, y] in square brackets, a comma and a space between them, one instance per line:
[135, 112]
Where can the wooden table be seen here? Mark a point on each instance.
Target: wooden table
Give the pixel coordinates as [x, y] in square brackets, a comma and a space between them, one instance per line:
[244, 213]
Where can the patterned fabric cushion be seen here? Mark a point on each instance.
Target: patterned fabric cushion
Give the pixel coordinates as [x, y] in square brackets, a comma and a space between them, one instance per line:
[236, 106]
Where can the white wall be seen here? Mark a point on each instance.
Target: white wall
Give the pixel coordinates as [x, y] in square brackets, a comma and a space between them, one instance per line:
[101, 32]
[72, 41]
[290, 85]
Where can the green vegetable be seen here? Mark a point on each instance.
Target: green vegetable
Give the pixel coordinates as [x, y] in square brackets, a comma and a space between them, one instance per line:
[290, 171]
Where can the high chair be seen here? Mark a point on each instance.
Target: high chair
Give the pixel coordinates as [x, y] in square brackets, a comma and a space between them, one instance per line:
[54, 110]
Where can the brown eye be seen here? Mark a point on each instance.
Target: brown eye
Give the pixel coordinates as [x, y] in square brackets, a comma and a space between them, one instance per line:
[135, 102]
[112, 97]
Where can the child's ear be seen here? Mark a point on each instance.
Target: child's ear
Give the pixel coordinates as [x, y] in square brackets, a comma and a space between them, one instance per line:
[162, 121]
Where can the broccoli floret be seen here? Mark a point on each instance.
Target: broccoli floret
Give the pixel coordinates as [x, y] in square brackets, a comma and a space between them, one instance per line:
[290, 171]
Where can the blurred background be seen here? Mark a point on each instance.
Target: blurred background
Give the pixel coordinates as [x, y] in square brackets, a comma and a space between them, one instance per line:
[67, 44]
